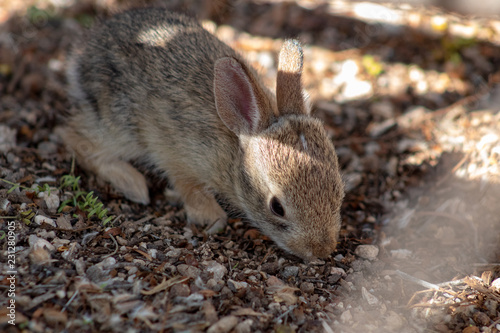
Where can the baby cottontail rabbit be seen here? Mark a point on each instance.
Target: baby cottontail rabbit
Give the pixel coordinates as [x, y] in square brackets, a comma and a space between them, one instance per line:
[155, 87]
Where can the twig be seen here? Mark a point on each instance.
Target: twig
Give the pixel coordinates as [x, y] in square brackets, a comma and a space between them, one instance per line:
[141, 220]
[455, 168]
[286, 313]
[267, 255]
[451, 283]
[116, 247]
[69, 301]
[417, 281]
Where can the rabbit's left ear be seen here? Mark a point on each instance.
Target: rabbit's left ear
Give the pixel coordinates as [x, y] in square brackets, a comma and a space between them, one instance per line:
[239, 99]
[289, 93]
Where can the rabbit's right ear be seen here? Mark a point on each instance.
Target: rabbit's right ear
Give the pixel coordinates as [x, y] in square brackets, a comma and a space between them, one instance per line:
[238, 97]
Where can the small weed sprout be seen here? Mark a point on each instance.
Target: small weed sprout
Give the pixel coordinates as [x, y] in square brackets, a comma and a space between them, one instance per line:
[86, 202]
[37, 190]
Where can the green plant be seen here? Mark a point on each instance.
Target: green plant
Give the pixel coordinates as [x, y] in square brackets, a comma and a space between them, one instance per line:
[26, 217]
[37, 190]
[372, 67]
[451, 48]
[86, 202]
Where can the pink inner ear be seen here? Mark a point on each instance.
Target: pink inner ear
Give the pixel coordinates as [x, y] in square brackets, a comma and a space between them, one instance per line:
[235, 97]
[243, 97]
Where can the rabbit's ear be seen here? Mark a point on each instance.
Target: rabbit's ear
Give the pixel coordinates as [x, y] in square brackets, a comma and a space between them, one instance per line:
[289, 94]
[238, 97]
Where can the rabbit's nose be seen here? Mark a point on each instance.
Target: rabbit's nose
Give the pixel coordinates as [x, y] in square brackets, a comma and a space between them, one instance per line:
[325, 246]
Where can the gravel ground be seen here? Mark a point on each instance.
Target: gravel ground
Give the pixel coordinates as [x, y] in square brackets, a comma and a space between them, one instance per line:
[410, 99]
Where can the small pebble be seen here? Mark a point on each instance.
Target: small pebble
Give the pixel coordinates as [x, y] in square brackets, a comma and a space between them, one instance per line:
[190, 271]
[39, 219]
[236, 286]
[346, 317]
[52, 200]
[179, 290]
[289, 271]
[307, 287]
[368, 297]
[244, 327]
[356, 89]
[4, 204]
[369, 252]
[338, 271]
[218, 270]
[224, 325]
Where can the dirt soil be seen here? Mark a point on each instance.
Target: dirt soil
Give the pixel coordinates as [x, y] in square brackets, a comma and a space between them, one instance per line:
[409, 96]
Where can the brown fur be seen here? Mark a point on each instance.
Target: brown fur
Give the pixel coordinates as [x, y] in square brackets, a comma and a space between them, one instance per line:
[154, 86]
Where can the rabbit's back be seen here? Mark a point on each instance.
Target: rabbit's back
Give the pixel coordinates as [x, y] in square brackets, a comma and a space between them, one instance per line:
[149, 55]
[148, 76]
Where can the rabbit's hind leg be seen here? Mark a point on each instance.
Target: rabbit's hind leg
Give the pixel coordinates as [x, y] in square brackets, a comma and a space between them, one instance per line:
[102, 157]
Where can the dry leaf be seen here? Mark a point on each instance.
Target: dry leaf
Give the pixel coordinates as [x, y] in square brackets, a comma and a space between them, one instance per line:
[145, 254]
[248, 312]
[165, 284]
[287, 295]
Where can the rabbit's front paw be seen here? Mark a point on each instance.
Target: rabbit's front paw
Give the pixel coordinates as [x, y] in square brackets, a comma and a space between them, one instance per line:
[202, 209]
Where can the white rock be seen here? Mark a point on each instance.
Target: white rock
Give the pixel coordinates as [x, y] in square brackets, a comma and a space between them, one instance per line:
[369, 252]
[464, 31]
[356, 89]
[378, 13]
[38, 243]
[401, 254]
[107, 263]
[346, 317]
[175, 253]
[368, 297]
[4, 204]
[51, 200]
[337, 270]
[496, 284]
[236, 286]
[218, 270]
[224, 325]
[244, 327]
[416, 74]
[39, 219]
[347, 72]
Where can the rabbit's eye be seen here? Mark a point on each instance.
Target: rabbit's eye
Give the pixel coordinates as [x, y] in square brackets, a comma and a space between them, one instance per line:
[276, 207]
